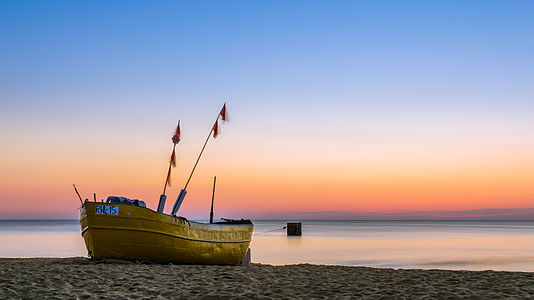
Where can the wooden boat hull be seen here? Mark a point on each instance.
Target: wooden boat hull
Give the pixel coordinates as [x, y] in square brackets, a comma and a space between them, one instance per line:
[138, 233]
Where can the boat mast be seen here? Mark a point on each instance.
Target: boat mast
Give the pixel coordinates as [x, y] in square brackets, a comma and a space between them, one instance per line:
[183, 192]
[168, 173]
[175, 140]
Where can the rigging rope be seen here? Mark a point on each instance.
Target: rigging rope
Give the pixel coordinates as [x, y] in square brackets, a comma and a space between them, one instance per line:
[270, 231]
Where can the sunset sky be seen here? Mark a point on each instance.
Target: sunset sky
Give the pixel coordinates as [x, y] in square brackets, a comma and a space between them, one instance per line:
[337, 109]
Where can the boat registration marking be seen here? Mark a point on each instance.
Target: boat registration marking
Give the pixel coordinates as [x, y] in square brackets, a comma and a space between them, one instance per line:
[107, 210]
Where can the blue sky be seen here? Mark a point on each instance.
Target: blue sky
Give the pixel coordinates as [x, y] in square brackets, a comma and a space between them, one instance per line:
[339, 57]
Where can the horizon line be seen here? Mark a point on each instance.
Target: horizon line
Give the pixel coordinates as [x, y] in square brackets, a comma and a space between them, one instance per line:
[355, 220]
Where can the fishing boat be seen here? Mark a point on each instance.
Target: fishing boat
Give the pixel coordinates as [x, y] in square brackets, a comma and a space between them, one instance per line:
[122, 228]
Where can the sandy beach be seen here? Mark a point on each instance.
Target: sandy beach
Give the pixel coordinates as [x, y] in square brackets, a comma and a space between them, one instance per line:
[81, 278]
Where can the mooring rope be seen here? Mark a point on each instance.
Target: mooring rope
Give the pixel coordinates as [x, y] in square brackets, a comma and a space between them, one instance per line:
[270, 231]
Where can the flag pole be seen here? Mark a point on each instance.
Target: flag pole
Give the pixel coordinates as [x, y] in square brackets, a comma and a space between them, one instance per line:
[181, 196]
[162, 197]
[168, 172]
[201, 151]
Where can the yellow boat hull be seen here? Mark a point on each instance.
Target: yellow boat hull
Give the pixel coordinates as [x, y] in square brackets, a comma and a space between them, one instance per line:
[138, 233]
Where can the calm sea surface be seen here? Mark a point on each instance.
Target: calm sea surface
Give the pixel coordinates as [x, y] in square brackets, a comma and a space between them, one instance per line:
[458, 245]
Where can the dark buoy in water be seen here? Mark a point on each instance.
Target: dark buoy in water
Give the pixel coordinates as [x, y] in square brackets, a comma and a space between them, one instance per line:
[294, 228]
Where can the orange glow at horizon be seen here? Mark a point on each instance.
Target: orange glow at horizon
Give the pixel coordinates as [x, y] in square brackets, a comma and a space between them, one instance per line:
[254, 186]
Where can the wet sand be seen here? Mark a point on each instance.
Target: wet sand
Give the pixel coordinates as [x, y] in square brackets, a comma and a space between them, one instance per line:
[81, 278]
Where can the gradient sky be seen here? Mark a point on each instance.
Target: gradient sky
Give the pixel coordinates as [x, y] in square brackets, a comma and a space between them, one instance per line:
[343, 109]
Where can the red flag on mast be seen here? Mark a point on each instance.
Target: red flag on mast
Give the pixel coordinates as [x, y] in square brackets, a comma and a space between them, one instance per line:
[176, 136]
[173, 158]
[223, 112]
[215, 129]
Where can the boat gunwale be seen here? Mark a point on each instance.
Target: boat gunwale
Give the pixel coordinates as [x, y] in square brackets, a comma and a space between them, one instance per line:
[169, 220]
[162, 233]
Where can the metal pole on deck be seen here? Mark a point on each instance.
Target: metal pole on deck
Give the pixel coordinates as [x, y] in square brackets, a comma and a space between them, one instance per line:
[212, 197]
[76, 190]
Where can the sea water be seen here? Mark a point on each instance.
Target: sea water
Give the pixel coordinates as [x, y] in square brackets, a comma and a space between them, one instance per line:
[456, 245]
